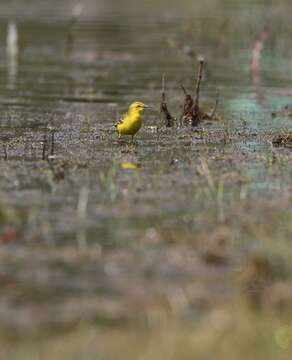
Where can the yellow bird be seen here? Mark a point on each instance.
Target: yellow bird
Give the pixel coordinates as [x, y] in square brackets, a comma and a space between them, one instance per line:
[131, 122]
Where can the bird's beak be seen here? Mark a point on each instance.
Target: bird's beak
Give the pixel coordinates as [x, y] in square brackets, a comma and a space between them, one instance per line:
[151, 108]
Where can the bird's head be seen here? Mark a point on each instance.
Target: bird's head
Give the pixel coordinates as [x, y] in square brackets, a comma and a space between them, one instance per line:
[137, 107]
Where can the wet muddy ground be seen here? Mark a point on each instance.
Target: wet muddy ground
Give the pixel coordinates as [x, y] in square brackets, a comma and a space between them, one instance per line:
[175, 246]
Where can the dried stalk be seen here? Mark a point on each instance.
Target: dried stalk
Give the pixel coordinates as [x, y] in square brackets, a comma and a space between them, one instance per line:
[198, 83]
[5, 152]
[169, 119]
[45, 139]
[187, 108]
[213, 112]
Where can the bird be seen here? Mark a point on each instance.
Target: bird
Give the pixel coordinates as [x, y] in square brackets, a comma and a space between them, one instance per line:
[131, 122]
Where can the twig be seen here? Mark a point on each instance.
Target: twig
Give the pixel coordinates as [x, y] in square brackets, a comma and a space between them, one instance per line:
[45, 139]
[5, 152]
[197, 115]
[163, 96]
[184, 90]
[213, 112]
[191, 107]
[198, 83]
[52, 144]
[187, 108]
[169, 119]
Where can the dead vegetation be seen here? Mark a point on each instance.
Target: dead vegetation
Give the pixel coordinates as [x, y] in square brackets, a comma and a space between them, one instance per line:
[283, 139]
[48, 150]
[192, 113]
[169, 120]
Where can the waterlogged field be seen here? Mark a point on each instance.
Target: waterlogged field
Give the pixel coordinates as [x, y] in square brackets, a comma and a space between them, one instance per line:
[175, 246]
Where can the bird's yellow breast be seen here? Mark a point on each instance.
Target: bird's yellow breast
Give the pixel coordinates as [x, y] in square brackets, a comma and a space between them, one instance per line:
[130, 124]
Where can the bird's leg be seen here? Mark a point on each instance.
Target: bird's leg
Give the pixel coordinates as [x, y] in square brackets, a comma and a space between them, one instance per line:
[132, 139]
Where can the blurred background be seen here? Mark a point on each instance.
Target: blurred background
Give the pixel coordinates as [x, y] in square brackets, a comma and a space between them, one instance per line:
[145, 38]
